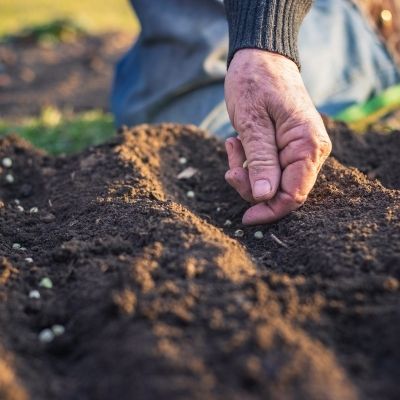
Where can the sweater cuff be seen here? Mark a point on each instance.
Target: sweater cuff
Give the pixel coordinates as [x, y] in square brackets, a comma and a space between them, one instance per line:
[271, 25]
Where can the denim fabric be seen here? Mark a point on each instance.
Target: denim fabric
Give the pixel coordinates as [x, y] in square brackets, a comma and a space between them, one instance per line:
[175, 71]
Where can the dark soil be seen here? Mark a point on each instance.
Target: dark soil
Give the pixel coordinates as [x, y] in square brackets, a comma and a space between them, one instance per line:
[77, 73]
[161, 301]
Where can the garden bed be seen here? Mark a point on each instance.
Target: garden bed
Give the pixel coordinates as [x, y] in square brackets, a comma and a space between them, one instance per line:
[159, 294]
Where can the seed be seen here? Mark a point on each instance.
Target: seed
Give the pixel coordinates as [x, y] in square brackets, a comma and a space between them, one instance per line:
[9, 178]
[16, 246]
[219, 209]
[245, 164]
[20, 209]
[34, 294]
[228, 222]
[239, 233]
[29, 260]
[258, 235]
[46, 283]
[58, 330]
[190, 194]
[34, 210]
[7, 162]
[182, 160]
[46, 336]
[187, 173]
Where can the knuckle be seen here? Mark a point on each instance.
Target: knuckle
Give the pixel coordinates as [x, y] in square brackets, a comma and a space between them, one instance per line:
[260, 164]
[326, 146]
[246, 126]
[228, 176]
[233, 176]
[317, 147]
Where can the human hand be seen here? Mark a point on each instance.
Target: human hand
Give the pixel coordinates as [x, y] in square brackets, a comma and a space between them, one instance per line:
[281, 135]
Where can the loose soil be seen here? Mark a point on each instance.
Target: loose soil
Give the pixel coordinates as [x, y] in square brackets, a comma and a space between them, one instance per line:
[74, 75]
[160, 300]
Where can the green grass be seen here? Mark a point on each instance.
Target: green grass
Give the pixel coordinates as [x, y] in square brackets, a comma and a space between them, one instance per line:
[58, 133]
[93, 15]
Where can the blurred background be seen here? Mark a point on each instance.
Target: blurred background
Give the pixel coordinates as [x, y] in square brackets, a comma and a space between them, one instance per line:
[56, 67]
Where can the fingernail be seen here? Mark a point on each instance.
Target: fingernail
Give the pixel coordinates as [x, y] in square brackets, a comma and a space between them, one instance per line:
[261, 188]
[228, 145]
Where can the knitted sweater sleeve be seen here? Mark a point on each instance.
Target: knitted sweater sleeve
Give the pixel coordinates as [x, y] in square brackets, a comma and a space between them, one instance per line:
[271, 25]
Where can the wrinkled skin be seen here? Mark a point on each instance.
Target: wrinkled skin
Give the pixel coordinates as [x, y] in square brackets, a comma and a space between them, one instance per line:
[281, 135]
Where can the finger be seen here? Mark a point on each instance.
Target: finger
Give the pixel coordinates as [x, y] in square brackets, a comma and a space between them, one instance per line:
[238, 178]
[235, 151]
[263, 163]
[311, 143]
[297, 181]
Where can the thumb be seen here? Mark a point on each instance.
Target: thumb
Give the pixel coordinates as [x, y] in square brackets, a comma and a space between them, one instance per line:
[262, 161]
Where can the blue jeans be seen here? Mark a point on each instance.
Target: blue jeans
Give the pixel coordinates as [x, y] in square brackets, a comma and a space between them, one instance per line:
[175, 71]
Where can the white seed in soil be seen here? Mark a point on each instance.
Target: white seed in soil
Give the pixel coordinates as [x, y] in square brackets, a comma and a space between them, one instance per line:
[34, 210]
[9, 178]
[187, 173]
[228, 222]
[20, 209]
[182, 160]
[190, 194]
[7, 162]
[46, 336]
[46, 283]
[16, 246]
[258, 235]
[29, 260]
[219, 209]
[58, 330]
[34, 294]
[239, 233]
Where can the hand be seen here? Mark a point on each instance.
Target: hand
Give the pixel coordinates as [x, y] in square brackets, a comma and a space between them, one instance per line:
[281, 135]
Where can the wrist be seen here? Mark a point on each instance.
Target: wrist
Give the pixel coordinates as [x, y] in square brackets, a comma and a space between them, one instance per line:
[261, 59]
[266, 25]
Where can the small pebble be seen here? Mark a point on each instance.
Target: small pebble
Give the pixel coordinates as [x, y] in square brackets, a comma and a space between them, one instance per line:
[46, 283]
[46, 336]
[9, 178]
[182, 160]
[16, 246]
[190, 194]
[58, 330]
[23, 249]
[391, 284]
[29, 260]
[228, 222]
[258, 235]
[34, 294]
[7, 162]
[34, 210]
[239, 233]
[20, 209]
